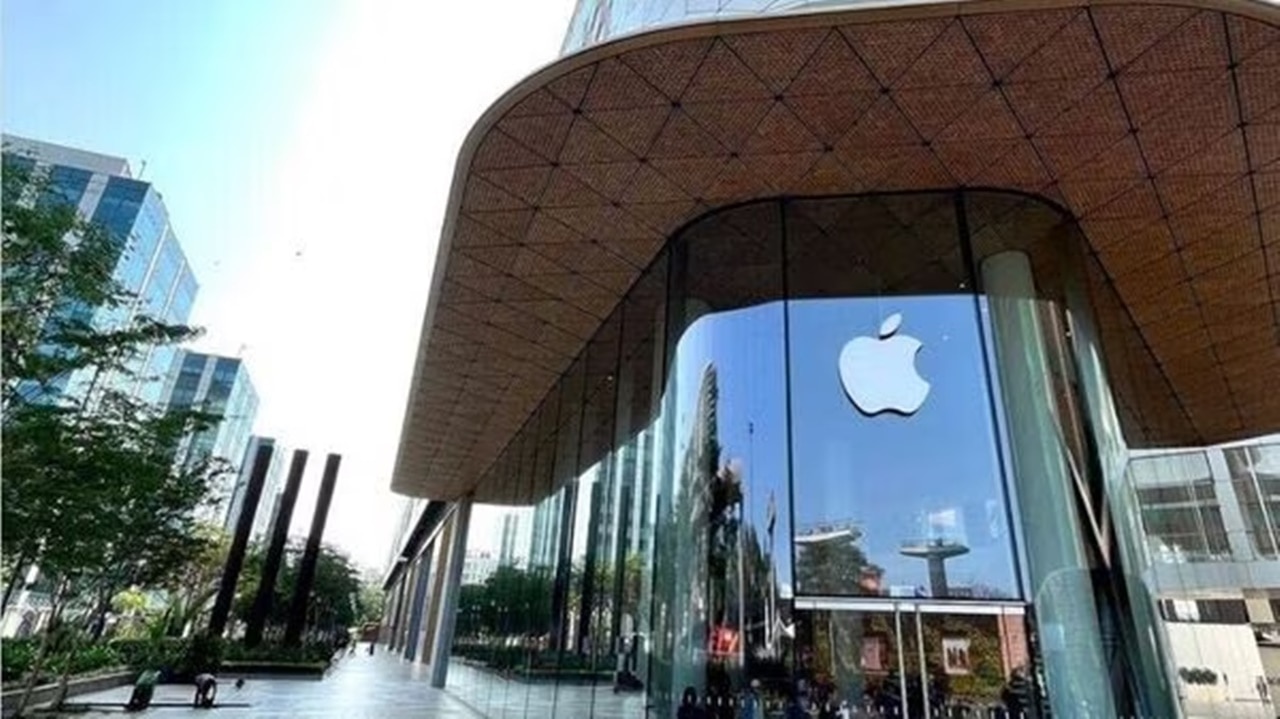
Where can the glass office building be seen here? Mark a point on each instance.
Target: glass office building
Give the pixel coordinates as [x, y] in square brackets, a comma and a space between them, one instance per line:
[151, 265]
[854, 364]
[264, 517]
[221, 387]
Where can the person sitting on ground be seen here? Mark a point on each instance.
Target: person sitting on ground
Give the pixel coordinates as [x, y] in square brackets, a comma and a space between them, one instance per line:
[206, 691]
[143, 690]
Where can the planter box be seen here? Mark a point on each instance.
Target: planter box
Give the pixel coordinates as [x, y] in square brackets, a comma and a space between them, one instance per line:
[293, 670]
[44, 693]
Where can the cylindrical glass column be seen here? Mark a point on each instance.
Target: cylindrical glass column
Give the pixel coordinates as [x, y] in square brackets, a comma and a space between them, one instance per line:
[1154, 692]
[1074, 666]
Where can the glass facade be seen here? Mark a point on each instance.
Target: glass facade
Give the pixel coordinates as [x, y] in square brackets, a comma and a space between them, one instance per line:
[860, 456]
[597, 21]
[151, 266]
[264, 517]
[1208, 562]
[219, 386]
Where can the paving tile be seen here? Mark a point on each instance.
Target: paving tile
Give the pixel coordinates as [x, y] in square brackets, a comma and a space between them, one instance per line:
[357, 686]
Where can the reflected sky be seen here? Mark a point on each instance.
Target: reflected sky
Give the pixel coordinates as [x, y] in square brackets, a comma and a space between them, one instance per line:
[746, 347]
[933, 475]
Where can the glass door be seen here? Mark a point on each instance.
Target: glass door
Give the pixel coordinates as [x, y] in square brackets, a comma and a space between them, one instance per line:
[912, 659]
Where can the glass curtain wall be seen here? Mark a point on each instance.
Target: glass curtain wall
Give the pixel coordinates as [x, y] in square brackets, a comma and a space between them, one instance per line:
[851, 454]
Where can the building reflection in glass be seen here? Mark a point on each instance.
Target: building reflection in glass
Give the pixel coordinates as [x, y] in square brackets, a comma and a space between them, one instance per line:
[722, 507]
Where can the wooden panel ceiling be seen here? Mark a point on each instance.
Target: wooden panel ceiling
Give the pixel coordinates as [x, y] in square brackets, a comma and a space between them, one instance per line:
[1156, 126]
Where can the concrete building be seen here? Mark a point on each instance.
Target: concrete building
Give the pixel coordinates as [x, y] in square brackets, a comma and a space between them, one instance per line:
[913, 357]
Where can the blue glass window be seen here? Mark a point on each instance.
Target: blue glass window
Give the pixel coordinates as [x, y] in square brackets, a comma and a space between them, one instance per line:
[119, 206]
[67, 184]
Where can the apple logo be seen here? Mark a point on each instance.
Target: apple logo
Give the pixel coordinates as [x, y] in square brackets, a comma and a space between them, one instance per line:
[880, 374]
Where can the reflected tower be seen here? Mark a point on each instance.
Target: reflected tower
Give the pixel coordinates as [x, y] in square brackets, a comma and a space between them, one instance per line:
[936, 552]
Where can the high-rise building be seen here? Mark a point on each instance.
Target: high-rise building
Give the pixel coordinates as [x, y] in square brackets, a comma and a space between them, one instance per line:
[919, 355]
[480, 565]
[272, 488]
[219, 386]
[151, 265]
[513, 543]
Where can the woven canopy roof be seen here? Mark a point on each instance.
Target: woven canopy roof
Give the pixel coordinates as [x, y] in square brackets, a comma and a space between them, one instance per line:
[1156, 125]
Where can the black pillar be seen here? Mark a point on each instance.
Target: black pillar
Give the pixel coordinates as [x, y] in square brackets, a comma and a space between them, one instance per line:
[586, 604]
[275, 552]
[307, 568]
[240, 542]
[560, 590]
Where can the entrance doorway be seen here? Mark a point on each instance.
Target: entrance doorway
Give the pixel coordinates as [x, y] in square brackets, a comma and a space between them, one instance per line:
[916, 659]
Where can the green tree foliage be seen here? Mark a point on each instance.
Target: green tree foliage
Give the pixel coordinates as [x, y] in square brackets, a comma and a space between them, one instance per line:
[334, 601]
[57, 271]
[512, 602]
[371, 601]
[835, 566]
[91, 491]
[191, 588]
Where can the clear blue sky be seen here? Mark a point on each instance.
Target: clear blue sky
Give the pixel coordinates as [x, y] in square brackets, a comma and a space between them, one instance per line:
[203, 92]
[304, 149]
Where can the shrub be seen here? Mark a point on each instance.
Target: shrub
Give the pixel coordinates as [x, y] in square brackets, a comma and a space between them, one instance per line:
[20, 654]
[203, 654]
[175, 659]
[84, 660]
[16, 658]
[163, 653]
[307, 653]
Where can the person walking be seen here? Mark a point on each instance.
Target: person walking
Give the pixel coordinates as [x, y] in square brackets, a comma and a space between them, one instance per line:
[689, 708]
[751, 701]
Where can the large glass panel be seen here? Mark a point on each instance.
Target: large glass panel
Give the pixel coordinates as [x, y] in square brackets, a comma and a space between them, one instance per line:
[1094, 310]
[148, 230]
[720, 580]
[67, 184]
[1255, 474]
[575, 662]
[549, 588]
[505, 588]
[493, 635]
[896, 471]
[907, 660]
[1208, 574]
[625, 545]
[1179, 508]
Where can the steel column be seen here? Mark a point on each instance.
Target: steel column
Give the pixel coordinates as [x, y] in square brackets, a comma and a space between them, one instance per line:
[307, 567]
[240, 542]
[275, 551]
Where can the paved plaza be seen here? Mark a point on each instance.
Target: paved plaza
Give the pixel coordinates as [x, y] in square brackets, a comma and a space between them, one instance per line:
[381, 686]
[499, 697]
[357, 686]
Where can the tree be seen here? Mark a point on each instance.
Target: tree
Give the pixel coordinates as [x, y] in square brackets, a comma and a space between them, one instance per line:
[511, 602]
[333, 602]
[58, 285]
[91, 493]
[194, 584]
[835, 566]
[371, 601]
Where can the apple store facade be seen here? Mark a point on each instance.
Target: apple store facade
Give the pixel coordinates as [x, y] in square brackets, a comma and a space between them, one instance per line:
[941, 436]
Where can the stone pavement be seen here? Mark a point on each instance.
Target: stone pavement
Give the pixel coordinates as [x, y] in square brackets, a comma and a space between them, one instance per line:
[499, 697]
[357, 686]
